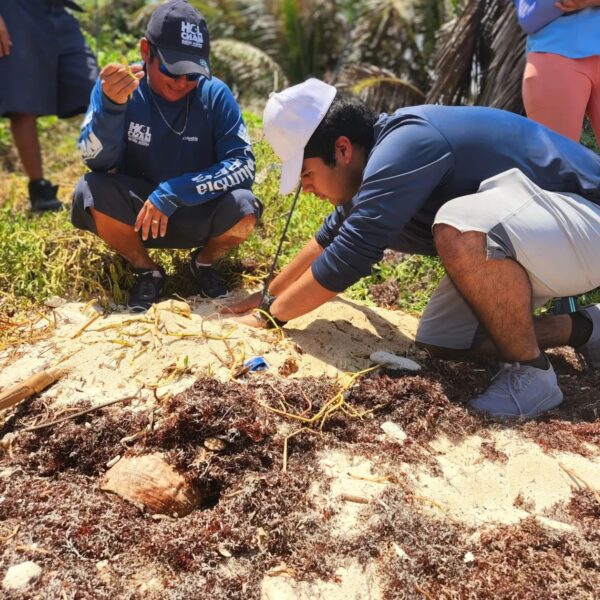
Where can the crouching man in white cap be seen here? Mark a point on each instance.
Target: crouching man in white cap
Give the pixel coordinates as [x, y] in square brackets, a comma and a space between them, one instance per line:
[511, 208]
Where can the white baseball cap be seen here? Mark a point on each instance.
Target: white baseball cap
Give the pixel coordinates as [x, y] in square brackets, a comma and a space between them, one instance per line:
[289, 120]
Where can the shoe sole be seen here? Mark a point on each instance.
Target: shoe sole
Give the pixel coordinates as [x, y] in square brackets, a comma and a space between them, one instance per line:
[548, 403]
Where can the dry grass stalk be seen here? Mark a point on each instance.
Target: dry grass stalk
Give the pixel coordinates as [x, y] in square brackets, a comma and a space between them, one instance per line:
[77, 414]
[285, 445]
[5, 538]
[338, 402]
[578, 479]
[86, 325]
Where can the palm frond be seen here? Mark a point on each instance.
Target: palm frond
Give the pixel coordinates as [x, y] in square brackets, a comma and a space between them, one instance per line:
[480, 57]
[456, 59]
[385, 35]
[501, 87]
[379, 88]
[247, 70]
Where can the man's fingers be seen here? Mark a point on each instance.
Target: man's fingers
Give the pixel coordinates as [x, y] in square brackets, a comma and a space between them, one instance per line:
[4, 44]
[566, 6]
[109, 69]
[154, 226]
[125, 88]
[139, 219]
[163, 226]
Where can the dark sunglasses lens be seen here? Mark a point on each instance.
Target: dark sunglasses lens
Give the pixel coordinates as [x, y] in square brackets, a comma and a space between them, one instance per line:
[189, 76]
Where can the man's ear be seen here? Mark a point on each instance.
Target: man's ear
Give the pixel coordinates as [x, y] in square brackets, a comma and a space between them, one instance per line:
[343, 149]
[145, 50]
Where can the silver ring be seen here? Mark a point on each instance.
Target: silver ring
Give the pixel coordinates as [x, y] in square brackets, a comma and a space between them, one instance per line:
[155, 221]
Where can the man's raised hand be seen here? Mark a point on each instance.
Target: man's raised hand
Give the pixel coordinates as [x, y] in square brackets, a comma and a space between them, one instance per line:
[120, 81]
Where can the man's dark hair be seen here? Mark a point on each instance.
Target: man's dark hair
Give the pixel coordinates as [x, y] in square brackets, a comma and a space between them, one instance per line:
[347, 116]
[153, 52]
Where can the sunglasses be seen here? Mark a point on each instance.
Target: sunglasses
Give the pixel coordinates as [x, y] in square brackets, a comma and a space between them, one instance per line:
[189, 76]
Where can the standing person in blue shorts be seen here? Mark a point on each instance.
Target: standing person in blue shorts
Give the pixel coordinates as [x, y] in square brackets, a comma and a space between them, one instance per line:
[46, 68]
[511, 208]
[171, 161]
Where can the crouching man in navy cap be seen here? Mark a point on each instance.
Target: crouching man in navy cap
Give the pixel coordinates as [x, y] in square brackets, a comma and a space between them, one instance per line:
[171, 161]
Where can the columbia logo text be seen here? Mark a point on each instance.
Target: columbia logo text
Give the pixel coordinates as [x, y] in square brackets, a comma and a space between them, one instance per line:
[191, 35]
[226, 177]
[139, 134]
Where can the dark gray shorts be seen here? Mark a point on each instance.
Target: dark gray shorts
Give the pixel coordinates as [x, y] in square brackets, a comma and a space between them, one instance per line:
[50, 69]
[121, 197]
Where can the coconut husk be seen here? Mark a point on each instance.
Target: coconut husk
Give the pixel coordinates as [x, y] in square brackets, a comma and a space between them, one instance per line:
[150, 481]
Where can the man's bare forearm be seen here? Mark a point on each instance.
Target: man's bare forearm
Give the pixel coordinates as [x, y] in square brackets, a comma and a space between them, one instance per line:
[302, 296]
[299, 265]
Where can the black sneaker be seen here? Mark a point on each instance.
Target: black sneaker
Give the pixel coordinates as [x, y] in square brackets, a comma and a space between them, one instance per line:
[42, 195]
[208, 280]
[146, 289]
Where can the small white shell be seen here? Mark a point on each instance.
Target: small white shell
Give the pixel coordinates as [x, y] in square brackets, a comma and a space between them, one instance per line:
[391, 361]
[214, 444]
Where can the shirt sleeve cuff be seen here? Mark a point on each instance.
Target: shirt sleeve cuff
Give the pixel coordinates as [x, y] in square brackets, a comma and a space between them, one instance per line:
[109, 105]
[163, 203]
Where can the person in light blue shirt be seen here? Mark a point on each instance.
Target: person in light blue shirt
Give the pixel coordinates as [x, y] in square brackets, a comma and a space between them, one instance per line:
[511, 208]
[561, 83]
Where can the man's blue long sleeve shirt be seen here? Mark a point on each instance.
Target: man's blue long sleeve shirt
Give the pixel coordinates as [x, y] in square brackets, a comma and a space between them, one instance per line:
[210, 156]
[424, 156]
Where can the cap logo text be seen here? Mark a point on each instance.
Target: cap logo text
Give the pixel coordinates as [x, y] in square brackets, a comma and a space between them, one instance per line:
[191, 35]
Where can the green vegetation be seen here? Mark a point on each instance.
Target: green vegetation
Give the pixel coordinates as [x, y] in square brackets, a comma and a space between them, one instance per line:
[386, 51]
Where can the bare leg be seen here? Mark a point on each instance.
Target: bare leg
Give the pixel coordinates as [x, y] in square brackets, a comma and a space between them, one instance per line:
[230, 239]
[24, 131]
[498, 291]
[551, 331]
[123, 239]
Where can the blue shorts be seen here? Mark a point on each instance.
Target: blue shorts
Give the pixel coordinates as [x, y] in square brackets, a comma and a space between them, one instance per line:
[121, 197]
[50, 69]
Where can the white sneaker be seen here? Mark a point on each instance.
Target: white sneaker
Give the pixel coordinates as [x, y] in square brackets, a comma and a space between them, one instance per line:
[519, 391]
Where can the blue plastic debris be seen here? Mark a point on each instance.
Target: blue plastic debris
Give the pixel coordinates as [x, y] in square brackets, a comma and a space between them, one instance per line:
[257, 363]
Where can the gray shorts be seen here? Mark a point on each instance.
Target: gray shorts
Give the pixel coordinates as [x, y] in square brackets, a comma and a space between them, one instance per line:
[121, 197]
[554, 236]
[50, 69]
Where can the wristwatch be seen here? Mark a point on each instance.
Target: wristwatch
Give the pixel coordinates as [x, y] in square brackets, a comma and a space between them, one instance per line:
[263, 312]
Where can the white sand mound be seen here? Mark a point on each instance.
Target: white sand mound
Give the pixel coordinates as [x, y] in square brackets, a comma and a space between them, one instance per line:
[173, 344]
[476, 490]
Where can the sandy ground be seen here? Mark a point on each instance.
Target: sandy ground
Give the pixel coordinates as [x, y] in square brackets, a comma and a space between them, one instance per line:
[167, 349]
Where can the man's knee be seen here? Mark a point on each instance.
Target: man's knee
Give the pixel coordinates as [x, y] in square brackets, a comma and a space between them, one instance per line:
[452, 244]
[241, 230]
[86, 189]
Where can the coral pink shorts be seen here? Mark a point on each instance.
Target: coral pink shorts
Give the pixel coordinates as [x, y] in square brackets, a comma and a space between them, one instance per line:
[558, 92]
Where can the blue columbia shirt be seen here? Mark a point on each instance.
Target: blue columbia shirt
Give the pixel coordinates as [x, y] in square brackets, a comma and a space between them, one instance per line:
[210, 156]
[426, 155]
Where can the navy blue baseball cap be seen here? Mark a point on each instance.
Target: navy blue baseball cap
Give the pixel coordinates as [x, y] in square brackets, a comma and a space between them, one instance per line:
[180, 35]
